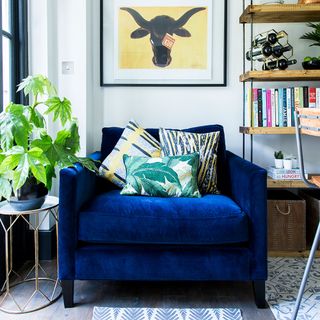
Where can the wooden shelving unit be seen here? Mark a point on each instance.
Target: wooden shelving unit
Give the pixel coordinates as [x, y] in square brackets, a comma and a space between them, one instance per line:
[262, 130]
[285, 184]
[280, 13]
[285, 13]
[281, 75]
[293, 254]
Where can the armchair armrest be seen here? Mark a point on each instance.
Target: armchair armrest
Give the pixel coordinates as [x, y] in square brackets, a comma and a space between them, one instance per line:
[77, 186]
[248, 188]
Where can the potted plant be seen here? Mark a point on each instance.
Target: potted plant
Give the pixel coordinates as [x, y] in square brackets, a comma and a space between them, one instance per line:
[29, 155]
[278, 159]
[314, 36]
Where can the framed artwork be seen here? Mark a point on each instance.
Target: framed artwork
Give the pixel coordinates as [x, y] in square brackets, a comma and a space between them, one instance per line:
[163, 42]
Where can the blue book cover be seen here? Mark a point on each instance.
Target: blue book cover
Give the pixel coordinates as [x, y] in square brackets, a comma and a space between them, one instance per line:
[284, 108]
[264, 108]
[280, 107]
[260, 122]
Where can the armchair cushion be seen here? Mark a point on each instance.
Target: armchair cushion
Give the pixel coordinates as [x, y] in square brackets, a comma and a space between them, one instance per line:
[212, 219]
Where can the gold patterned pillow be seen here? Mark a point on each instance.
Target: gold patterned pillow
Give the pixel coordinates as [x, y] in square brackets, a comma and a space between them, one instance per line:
[175, 142]
[134, 141]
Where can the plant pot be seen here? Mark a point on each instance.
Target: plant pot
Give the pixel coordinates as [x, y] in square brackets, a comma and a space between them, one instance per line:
[311, 65]
[278, 163]
[287, 164]
[30, 196]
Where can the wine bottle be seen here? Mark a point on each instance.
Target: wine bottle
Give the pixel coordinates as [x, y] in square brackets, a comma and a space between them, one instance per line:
[271, 38]
[278, 51]
[281, 64]
[264, 51]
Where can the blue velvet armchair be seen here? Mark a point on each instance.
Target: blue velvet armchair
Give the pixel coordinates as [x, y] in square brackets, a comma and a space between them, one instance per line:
[103, 235]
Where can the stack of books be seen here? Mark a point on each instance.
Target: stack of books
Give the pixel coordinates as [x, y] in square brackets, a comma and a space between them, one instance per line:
[285, 174]
[275, 107]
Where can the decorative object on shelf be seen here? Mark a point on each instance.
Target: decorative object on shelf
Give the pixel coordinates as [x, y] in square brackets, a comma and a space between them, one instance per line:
[273, 49]
[285, 174]
[162, 44]
[287, 163]
[278, 159]
[312, 63]
[29, 155]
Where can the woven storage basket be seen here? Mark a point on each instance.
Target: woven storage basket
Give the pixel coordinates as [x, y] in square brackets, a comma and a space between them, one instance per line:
[312, 198]
[286, 221]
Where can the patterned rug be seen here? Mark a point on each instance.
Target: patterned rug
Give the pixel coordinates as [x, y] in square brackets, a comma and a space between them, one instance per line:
[165, 314]
[285, 276]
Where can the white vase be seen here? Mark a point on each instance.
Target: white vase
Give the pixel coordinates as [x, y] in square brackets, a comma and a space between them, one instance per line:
[295, 164]
[278, 163]
[287, 164]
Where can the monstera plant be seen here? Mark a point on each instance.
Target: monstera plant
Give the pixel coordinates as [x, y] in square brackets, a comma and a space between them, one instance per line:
[29, 155]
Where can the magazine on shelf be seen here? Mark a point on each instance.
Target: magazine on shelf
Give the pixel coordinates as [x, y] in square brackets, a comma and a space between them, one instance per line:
[285, 174]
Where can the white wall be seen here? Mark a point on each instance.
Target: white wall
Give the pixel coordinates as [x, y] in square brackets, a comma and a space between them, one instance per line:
[77, 37]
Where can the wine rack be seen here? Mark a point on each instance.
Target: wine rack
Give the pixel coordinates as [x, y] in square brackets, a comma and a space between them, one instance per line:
[285, 13]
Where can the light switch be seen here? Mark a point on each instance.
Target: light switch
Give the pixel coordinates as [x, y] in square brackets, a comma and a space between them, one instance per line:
[67, 67]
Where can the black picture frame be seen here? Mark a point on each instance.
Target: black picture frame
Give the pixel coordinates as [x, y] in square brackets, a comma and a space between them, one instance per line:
[223, 83]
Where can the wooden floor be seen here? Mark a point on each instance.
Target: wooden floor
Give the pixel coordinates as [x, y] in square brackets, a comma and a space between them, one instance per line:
[156, 294]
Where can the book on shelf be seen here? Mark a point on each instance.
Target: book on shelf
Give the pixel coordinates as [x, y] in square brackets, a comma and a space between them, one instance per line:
[275, 107]
[312, 98]
[285, 174]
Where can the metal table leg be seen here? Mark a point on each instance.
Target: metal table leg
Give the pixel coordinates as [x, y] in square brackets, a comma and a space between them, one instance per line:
[306, 272]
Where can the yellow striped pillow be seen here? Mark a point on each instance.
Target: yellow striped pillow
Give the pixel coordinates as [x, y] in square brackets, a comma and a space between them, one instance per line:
[175, 143]
[134, 141]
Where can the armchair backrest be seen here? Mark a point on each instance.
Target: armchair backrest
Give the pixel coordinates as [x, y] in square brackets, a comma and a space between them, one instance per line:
[111, 135]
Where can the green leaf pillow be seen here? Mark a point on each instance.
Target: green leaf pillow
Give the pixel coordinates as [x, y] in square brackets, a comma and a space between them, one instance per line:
[162, 177]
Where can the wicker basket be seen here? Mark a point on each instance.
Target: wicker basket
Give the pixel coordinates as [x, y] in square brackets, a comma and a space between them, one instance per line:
[312, 198]
[286, 221]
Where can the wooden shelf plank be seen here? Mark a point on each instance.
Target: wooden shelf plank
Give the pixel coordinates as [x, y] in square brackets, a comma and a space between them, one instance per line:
[295, 254]
[277, 184]
[268, 130]
[281, 75]
[280, 13]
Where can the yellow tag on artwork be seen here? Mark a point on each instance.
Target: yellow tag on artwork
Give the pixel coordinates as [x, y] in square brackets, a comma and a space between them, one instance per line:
[168, 41]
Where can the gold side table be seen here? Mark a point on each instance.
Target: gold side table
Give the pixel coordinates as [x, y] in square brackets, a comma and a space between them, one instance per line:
[44, 290]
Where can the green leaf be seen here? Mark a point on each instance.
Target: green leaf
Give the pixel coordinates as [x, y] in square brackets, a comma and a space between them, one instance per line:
[35, 152]
[88, 164]
[16, 150]
[5, 188]
[37, 85]
[60, 108]
[14, 126]
[50, 173]
[32, 84]
[62, 137]
[38, 170]
[44, 143]
[10, 162]
[36, 118]
[20, 175]
[72, 142]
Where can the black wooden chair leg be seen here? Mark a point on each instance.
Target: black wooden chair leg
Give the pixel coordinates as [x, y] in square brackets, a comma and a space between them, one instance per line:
[67, 292]
[259, 289]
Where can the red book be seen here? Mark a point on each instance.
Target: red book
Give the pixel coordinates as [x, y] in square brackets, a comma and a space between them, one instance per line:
[312, 97]
[269, 109]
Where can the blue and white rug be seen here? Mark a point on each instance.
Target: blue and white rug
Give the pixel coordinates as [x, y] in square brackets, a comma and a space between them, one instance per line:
[165, 314]
[282, 288]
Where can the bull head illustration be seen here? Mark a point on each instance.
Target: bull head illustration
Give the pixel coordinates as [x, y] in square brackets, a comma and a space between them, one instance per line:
[158, 27]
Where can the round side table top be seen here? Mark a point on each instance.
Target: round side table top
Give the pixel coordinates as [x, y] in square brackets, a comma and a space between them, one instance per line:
[50, 203]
